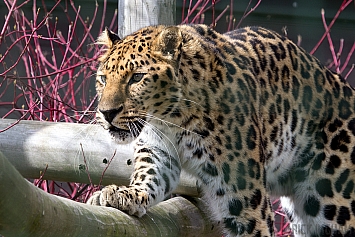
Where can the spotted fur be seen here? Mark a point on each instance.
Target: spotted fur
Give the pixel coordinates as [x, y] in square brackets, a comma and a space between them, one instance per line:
[248, 113]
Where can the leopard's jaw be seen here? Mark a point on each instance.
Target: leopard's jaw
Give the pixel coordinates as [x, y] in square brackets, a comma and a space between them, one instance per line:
[125, 132]
[121, 136]
[249, 113]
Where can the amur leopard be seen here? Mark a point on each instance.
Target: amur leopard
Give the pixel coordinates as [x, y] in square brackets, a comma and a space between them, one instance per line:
[248, 113]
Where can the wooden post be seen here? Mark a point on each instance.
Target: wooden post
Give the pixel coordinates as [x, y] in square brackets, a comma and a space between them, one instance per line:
[136, 14]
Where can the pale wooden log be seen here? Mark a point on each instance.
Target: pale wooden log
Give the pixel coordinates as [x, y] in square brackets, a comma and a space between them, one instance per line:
[25, 210]
[31, 145]
[136, 14]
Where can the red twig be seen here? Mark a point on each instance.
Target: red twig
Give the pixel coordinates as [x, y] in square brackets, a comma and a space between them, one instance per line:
[351, 52]
[91, 187]
[85, 112]
[36, 182]
[86, 165]
[28, 41]
[17, 121]
[54, 73]
[230, 19]
[249, 12]
[342, 7]
[190, 11]
[108, 164]
[349, 72]
[7, 21]
[213, 14]
[330, 42]
[222, 14]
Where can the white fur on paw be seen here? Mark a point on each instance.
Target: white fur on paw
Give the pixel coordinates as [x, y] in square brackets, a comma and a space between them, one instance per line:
[111, 196]
[95, 199]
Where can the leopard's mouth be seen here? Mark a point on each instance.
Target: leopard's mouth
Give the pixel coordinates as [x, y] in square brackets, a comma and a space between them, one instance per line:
[127, 133]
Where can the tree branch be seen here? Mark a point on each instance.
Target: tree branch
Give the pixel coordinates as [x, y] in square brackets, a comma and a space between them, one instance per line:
[25, 210]
[32, 145]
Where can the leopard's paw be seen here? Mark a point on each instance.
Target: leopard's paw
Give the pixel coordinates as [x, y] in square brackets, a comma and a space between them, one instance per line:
[127, 199]
[94, 199]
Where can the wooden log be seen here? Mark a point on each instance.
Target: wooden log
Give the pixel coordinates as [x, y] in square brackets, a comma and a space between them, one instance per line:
[136, 14]
[26, 210]
[31, 146]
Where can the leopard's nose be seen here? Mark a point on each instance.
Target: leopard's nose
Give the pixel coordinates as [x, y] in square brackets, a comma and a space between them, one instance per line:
[111, 113]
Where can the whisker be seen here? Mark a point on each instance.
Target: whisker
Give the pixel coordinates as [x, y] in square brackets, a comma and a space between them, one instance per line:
[130, 128]
[193, 102]
[155, 130]
[166, 122]
[136, 128]
[181, 105]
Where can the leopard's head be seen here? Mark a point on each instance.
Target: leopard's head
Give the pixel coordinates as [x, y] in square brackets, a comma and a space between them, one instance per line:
[137, 80]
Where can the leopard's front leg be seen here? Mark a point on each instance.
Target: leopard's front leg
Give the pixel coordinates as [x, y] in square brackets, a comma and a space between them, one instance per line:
[156, 174]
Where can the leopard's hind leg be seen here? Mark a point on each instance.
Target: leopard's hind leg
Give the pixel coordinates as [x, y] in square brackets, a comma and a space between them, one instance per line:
[317, 192]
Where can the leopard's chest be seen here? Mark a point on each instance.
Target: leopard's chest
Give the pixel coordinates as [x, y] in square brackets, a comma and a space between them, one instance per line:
[193, 151]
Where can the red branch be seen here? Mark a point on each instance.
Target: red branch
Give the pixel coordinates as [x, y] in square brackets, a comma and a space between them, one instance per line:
[342, 7]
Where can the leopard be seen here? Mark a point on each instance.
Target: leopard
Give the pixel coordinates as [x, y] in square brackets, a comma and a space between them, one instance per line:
[248, 113]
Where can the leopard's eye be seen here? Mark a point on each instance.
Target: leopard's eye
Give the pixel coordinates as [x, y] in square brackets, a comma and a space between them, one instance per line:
[101, 79]
[137, 77]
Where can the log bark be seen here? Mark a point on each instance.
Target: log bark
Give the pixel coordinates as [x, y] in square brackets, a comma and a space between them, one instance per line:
[31, 146]
[26, 210]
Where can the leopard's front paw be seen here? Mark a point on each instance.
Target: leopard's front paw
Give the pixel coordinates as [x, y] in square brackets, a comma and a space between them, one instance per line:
[127, 199]
[94, 199]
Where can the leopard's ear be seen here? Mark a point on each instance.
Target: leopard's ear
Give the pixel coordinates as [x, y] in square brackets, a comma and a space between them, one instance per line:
[108, 38]
[168, 43]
